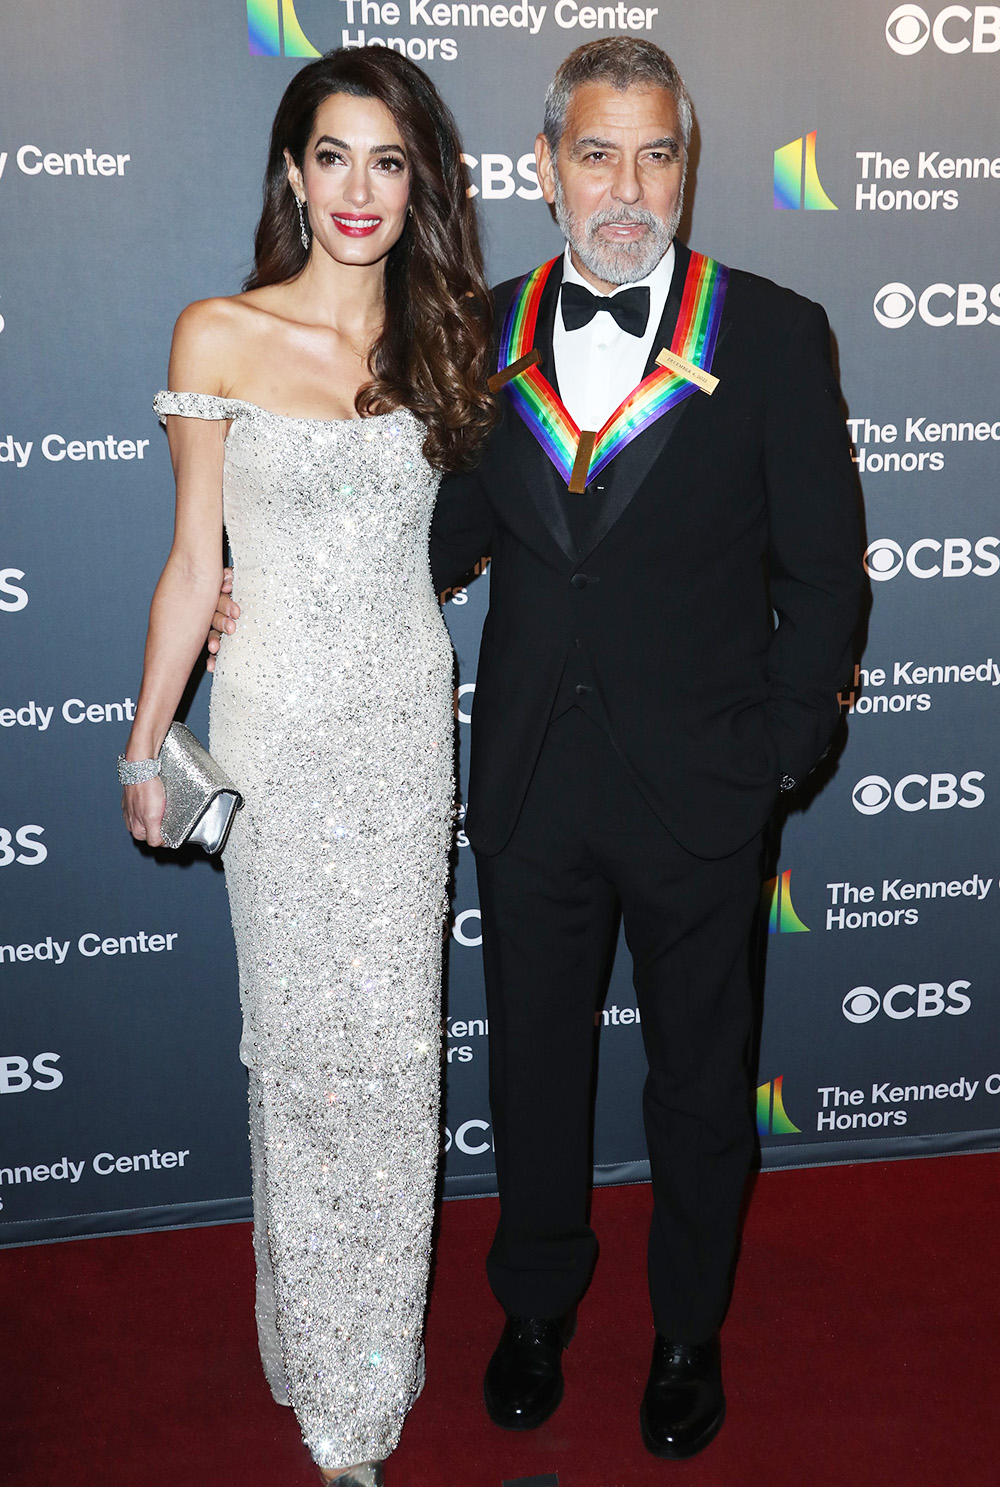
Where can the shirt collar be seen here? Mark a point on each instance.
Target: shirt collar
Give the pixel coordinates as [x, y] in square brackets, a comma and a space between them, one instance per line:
[658, 282]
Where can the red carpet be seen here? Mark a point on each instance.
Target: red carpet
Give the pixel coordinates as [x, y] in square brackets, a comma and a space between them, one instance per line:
[863, 1347]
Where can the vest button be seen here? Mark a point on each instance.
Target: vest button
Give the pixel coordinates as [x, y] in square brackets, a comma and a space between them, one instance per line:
[579, 580]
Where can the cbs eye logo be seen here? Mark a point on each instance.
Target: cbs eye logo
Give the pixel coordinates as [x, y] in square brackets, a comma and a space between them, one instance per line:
[871, 795]
[861, 1004]
[895, 305]
[883, 559]
[907, 29]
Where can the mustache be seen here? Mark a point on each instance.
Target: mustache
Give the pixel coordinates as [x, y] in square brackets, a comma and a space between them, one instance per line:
[623, 216]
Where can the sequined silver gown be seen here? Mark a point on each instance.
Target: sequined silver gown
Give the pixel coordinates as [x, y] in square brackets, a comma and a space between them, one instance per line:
[332, 710]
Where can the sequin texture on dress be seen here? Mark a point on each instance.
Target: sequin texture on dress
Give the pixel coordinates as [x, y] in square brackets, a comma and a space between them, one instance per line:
[332, 710]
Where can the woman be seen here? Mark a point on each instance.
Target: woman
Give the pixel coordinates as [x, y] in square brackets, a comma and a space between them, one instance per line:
[315, 412]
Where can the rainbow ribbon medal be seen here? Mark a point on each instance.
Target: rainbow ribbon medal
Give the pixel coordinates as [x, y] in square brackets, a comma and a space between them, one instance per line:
[581, 456]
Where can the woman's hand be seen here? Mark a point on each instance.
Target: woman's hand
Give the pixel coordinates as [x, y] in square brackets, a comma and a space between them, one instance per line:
[143, 806]
[224, 620]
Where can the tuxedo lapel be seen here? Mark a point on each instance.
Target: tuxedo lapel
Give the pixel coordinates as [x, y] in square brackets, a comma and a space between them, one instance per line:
[545, 325]
[547, 488]
[624, 476]
[668, 320]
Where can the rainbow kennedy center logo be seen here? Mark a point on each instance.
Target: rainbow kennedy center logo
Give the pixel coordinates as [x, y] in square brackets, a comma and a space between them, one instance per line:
[777, 904]
[274, 30]
[772, 1118]
[796, 180]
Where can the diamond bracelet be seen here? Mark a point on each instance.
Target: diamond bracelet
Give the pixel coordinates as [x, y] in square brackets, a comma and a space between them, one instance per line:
[137, 771]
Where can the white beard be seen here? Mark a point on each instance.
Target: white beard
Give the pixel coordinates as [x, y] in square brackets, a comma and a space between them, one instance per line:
[624, 263]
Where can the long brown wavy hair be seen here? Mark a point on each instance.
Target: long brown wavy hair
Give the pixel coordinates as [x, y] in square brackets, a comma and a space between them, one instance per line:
[433, 352]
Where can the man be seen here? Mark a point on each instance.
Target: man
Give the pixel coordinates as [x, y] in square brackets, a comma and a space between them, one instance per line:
[637, 712]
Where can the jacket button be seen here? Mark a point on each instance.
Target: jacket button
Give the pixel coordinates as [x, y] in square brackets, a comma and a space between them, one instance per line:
[579, 580]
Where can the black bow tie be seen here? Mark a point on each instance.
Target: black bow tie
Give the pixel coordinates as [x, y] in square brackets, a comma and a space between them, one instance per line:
[630, 307]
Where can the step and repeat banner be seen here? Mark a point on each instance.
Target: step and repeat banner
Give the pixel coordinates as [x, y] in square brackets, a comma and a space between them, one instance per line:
[850, 152]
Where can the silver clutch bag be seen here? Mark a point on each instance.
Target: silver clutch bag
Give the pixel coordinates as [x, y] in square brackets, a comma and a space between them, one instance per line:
[202, 800]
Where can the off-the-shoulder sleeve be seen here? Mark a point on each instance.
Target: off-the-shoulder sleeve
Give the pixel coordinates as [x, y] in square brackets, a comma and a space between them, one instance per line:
[195, 405]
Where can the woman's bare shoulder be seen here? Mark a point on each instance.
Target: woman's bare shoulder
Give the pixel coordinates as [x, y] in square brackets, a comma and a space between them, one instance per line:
[222, 319]
[212, 339]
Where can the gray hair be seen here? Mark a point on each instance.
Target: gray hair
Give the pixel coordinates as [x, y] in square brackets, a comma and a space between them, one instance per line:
[623, 62]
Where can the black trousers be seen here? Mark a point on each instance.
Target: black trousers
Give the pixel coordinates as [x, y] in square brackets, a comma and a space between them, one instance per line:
[585, 844]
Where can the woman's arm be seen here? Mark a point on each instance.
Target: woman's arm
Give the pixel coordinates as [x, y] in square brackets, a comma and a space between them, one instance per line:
[185, 596]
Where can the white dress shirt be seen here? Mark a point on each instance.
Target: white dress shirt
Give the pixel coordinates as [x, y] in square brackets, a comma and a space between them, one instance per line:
[598, 365]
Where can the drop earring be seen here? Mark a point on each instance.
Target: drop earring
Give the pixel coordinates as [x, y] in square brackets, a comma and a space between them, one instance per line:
[303, 232]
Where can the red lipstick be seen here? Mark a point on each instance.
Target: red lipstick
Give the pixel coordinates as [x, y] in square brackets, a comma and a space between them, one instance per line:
[356, 226]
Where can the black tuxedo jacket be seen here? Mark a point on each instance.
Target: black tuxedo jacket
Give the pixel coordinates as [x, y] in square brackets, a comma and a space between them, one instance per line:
[666, 576]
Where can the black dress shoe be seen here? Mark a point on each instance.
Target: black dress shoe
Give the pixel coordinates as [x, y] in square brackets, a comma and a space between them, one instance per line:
[524, 1382]
[683, 1407]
